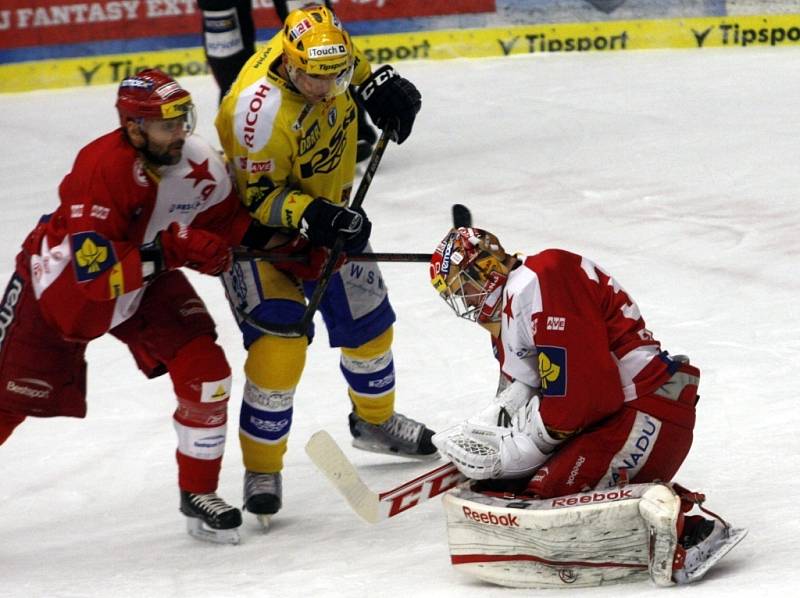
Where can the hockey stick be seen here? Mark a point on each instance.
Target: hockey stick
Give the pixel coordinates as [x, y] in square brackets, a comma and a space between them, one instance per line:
[376, 506]
[461, 216]
[270, 256]
[299, 328]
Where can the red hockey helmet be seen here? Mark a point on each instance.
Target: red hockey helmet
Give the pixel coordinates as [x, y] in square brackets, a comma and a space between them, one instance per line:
[469, 269]
[152, 94]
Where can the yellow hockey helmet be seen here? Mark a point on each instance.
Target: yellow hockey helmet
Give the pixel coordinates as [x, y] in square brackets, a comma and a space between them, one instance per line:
[315, 42]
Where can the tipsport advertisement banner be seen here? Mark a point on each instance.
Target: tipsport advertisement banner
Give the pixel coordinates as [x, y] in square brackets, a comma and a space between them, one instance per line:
[732, 32]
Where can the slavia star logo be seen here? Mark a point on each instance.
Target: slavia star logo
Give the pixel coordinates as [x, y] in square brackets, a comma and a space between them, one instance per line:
[200, 172]
[90, 256]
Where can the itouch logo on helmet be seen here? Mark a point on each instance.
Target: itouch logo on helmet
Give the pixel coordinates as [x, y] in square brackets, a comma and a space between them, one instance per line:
[327, 51]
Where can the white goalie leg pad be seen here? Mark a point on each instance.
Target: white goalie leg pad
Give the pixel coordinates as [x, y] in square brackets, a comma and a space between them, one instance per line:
[660, 507]
[588, 539]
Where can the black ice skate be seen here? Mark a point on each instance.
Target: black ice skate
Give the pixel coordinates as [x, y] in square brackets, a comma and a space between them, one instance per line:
[263, 495]
[399, 435]
[210, 518]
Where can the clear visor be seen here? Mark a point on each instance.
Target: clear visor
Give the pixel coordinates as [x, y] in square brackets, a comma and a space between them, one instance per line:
[320, 87]
[184, 122]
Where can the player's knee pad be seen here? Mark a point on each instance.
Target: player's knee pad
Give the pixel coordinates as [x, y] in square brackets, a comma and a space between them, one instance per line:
[369, 371]
[201, 378]
[273, 368]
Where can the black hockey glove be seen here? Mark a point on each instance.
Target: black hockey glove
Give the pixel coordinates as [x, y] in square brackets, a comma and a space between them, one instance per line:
[322, 222]
[391, 101]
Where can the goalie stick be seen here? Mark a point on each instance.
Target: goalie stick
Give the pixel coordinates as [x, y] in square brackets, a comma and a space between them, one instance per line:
[243, 253]
[370, 505]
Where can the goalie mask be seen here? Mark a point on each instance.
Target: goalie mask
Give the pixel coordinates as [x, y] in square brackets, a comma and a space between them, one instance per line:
[318, 52]
[469, 271]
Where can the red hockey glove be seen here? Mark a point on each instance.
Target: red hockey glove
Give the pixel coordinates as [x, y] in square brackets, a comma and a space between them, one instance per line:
[310, 269]
[195, 248]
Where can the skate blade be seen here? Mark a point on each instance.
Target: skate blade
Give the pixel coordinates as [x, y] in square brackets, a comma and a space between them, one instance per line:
[197, 529]
[381, 449]
[735, 535]
[264, 521]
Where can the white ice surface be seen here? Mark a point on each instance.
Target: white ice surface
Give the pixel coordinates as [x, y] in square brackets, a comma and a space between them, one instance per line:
[675, 170]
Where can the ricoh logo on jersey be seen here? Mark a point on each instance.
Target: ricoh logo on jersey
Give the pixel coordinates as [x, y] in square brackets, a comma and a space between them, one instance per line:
[248, 134]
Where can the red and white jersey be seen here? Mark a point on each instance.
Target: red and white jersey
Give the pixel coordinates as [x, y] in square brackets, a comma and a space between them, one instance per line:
[569, 329]
[83, 259]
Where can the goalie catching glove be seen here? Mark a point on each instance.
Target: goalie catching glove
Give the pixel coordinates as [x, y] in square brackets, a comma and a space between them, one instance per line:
[391, 101]
[181, 245]
[506, 440]
[323, 221]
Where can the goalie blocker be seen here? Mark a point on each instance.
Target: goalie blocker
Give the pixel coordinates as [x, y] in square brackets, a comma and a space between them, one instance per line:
[593, 538]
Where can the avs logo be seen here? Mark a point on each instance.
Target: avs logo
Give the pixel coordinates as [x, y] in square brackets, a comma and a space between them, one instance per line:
[556, 323]
[93, 255]
[553, 371]
[100, 212]
[262, 166]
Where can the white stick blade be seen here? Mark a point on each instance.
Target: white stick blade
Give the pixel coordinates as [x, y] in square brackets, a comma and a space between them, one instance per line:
[331, 461]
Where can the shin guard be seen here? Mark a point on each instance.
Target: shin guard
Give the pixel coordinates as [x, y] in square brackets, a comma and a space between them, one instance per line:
[369, 371]
[273, 369]
[201, 378]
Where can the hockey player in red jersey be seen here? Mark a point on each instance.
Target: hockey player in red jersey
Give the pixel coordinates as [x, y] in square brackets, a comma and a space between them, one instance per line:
[140, 203]
[588, 398]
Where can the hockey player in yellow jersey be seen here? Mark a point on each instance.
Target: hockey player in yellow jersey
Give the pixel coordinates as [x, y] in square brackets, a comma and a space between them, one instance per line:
[288, 127]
